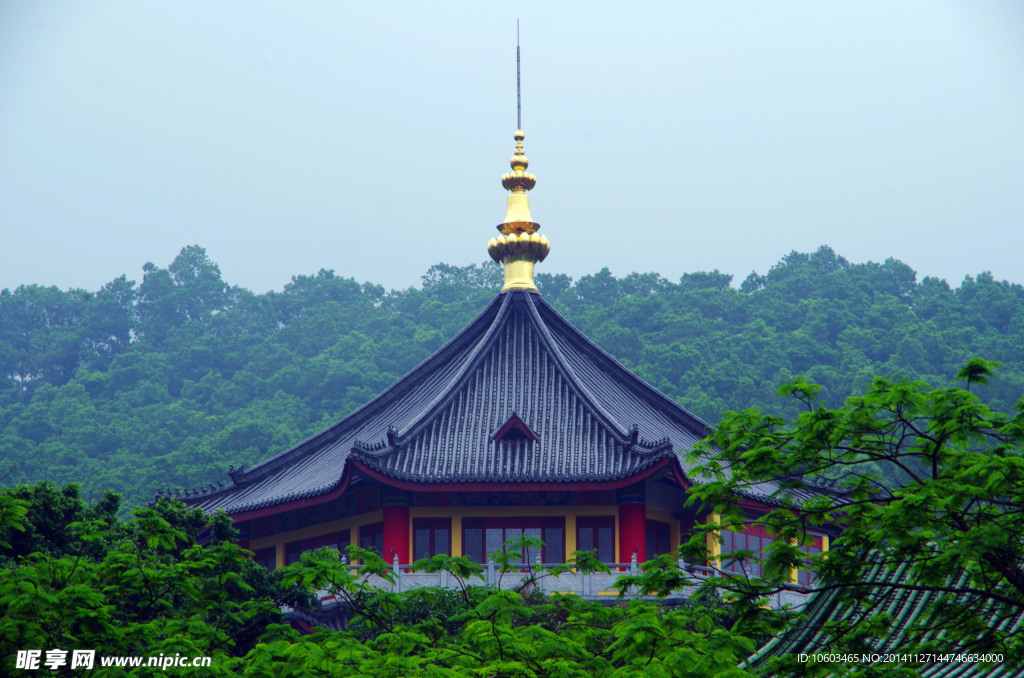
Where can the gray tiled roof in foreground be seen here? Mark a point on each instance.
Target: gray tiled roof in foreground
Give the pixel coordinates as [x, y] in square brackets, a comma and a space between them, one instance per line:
[890, 589]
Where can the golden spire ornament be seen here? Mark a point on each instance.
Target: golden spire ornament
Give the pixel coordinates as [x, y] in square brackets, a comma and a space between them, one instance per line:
[519, 246]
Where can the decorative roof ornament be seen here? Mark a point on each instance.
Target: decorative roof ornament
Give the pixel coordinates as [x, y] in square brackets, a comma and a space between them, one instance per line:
[519, 246]
[514, 429]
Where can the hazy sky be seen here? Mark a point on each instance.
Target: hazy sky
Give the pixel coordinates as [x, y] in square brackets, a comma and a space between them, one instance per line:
[370, 138]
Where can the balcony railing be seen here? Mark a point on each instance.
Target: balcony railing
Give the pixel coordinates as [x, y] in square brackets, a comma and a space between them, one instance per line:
[596, 585]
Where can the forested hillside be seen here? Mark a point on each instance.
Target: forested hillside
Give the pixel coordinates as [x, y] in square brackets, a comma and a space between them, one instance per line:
[167, 382]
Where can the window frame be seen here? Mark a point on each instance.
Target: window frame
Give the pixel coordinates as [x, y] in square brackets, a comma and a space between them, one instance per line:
[552, 533]
[596, 523]
[433, 527]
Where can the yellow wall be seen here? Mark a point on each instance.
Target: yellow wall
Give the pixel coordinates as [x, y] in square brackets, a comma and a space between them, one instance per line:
[280, 539]
[456, 534]
[794, 572]
[570, 533]
[714, 543]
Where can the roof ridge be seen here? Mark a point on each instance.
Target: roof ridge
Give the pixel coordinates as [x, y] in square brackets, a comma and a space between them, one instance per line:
[635, 382]
[618, 431]
[450, 390]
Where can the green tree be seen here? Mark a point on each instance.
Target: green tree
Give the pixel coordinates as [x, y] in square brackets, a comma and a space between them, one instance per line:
[146, 587]
[190, 289]
[929, 481]
[76, 577]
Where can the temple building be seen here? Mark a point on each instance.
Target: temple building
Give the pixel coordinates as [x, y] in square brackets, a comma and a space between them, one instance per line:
[518, 425]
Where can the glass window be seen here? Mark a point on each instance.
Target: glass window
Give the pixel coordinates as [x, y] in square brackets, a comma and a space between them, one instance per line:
[740, 541]
[430, 537]
[585, 539]
[473, 543]
[804, 577]
[483, 536]
[266, 557]
[758, 545]
[657, 537]
[371, 537]
[597, 533]
[554, 544]
[495, 539]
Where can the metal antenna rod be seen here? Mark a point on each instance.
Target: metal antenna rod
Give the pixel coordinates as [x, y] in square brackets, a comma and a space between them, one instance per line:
[519, 87]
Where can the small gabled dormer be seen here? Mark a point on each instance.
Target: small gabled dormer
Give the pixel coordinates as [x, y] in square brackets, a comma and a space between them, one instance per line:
[514, 429]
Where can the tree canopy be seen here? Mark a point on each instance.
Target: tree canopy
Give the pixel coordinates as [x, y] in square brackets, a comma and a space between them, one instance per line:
[151, 589]
[928, 486]
[77, 577]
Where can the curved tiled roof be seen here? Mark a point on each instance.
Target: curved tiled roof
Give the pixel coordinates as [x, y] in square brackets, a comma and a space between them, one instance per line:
[594, 420]
[517, 367]
[889, 588]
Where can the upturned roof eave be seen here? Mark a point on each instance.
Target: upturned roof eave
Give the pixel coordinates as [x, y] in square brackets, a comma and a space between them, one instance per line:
[288, 502]
[515, 485]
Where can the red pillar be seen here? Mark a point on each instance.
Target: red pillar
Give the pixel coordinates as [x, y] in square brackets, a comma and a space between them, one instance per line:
[396, 532]
[632, 523]
[632, 532]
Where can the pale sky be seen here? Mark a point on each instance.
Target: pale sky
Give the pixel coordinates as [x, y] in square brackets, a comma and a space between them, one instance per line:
[369, 138]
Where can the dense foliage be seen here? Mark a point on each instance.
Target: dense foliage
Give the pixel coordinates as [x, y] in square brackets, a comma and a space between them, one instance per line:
[513, 631]
[169, 381]
[930, 485]
[146, 588]
[77, 577]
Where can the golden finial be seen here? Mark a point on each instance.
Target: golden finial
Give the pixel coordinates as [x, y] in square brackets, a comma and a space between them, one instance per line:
[519, 246]
[519, 181]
